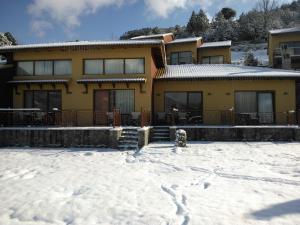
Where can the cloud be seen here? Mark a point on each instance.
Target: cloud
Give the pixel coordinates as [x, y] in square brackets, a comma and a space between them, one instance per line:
[65, 13]
[39, 27]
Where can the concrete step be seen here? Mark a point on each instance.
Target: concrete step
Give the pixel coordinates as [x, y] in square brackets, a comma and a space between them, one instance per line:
[160, 138]
[135, 138]
[128, 142]
[161, 134]
[128, 147]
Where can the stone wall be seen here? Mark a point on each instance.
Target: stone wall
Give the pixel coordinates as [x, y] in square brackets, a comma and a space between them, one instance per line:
[54, 137]
[211, 133]
[67, 137]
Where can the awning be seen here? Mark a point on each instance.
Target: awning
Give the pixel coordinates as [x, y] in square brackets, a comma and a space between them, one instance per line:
[112, 81]
[52, 82]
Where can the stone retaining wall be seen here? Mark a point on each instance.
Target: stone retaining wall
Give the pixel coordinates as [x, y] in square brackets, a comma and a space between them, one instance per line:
[66, 137]
[262, 133]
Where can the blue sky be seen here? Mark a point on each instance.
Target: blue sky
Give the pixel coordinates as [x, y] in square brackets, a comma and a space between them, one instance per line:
[36, 21]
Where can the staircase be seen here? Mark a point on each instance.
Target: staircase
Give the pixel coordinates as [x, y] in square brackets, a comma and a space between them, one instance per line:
[160, 134]
[128, 139]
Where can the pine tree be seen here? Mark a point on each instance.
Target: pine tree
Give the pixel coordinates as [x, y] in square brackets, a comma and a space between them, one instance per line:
[190, 27]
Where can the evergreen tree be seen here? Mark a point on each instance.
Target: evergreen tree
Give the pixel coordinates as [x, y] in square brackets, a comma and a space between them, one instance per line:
[228, 13]
[190, 27]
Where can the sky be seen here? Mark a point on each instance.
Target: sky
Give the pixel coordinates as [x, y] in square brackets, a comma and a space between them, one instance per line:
[38, 21]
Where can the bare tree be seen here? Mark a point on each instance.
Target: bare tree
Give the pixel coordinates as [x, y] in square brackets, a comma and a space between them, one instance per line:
[267, 7]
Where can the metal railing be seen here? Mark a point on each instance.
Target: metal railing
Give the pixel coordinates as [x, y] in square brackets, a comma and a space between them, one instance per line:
[228, 117]
[69, 118]
[291, 51]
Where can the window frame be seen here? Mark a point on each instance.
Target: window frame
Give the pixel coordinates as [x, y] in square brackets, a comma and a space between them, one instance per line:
[209, 59]
[187, 99]
[178, 57]
[53, 62]
[47, 92]
[272, 92]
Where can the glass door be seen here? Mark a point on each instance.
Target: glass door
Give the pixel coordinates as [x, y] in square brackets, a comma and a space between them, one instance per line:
[265, 108]
[101, 107]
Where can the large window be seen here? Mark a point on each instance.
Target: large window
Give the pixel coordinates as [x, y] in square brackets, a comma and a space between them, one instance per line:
[44, 100]
[44, 67]
[62, 67]
[93, 66]
[25, 68]
[254, 107]
[190, 102]
[114, 66]
[178, 58]
[213, 60]
[133, 66]
[107, 100]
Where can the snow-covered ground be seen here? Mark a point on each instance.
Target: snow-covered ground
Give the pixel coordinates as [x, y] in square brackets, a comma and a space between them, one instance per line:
[205, 183]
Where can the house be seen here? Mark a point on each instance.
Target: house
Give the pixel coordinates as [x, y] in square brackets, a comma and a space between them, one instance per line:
[140, 81]
[284, 48]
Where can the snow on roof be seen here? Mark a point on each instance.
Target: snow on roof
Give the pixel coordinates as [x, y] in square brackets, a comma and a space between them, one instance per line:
[215, 44]
[112, 80]
[221, 71]
[38, 81]
[151, 36]
[184, 40]
[82, 43]
[286, 30]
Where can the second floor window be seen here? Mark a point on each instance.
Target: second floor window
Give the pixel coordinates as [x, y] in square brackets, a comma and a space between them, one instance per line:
[178, 58]
[213, 60]
[44, 67]
[25, 68]
[114, 66]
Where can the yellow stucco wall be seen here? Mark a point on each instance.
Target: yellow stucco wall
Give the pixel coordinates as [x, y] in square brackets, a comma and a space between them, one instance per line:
[182, 47]
[275, 40]
[219, 95]
[221, 51]
[84, 102]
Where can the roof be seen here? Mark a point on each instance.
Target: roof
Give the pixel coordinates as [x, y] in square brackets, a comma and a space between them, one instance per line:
[221, 71]
[286, 30]
[216, 44]
[185, 40]
[82, 43]
[112, 80]
[151, 36]
[54, 81]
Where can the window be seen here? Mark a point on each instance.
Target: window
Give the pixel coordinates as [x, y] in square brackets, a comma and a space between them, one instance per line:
[62, 67]
[44, 100]
[190, 102]
[213, 60]
[254, 107]
[178, 58]
[25, 68]
[134, 66]
[43, 67]
[114, 66]
[107, 100]
[93, 66]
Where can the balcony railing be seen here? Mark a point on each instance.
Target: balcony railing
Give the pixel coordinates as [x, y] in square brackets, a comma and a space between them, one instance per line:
[69, 118]
[290, 51]
[227, 117]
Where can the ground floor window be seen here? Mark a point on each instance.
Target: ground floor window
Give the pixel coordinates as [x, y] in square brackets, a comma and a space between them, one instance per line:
[44, 100]
[253, 107]
[188, 104]
[107, 100]
[213, 60]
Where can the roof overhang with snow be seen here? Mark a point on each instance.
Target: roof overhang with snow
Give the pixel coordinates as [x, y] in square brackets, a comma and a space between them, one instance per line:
[285, 31]
[222, 72]
[217, 44]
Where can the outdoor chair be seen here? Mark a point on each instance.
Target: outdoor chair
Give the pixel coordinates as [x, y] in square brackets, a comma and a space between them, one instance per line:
[160, 117]
[182, 118]
[110, 118]
[135, 118]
